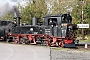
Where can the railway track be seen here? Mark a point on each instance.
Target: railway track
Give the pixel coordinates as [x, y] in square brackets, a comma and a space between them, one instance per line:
[78, 46]
[83, 46]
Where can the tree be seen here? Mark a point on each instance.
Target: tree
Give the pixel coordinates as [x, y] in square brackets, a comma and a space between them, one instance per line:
[35, 8]
[77, 13]
[87, 15]
[60, 6]
[87, 12]
[7, 17]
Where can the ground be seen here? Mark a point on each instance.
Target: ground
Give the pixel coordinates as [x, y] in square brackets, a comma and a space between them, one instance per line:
[32, 52]
[23, 52]
[70, 54]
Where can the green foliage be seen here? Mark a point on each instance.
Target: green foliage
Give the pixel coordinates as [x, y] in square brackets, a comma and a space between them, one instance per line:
[37, 8]
[76, 13]
[87, 15]
[87, 37]
[6, 17]
[87, 12]
[63, 6]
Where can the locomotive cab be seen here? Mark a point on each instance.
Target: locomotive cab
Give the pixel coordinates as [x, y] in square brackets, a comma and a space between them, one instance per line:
[56, 22]
[61, 29]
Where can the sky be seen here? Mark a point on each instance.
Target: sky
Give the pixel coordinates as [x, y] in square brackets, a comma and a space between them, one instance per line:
[10, 1]
[7, 6]
[14, 2]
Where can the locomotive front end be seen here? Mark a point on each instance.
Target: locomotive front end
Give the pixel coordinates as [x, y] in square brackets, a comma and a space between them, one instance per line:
[69, 32]
[62, 31]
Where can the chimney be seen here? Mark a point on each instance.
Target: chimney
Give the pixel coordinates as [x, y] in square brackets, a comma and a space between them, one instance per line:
[18, 15]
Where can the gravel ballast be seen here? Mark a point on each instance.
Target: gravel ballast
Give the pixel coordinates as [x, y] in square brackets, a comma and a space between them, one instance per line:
[70, 54]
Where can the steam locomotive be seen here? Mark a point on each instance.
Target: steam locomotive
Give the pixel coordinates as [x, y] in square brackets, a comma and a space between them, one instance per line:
[55, 30]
